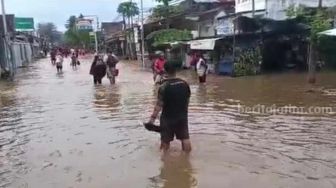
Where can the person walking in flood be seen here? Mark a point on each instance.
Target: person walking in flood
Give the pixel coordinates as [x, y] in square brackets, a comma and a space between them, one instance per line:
[59, 62]
[53, 56]
[98, 70]
[73, 61]
[111, 61]
[159, 68]
[202, 68]
[173, 100]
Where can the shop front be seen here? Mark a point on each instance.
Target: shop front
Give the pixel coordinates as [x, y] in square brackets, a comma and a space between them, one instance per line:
[206, 47]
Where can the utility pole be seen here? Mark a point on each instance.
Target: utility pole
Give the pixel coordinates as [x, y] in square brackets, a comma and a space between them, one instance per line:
[320, 5]
[142, 36]
[96, 35]
[253, 8]
[313, 56]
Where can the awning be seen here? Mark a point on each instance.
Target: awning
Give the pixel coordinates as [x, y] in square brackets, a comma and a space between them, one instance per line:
[204, 44]
[331, 32]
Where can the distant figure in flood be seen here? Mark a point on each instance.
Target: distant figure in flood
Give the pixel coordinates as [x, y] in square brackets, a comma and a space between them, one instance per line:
[59, 62]
[111, 61]
[45, 52]
[53, 57]
[77, 53]
[202, 68]
[98, 70]
[73, 61]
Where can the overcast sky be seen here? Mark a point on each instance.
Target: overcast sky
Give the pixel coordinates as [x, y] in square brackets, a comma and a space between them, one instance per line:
[58, 11]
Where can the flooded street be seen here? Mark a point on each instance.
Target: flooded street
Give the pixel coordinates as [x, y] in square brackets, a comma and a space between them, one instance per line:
[61, 131]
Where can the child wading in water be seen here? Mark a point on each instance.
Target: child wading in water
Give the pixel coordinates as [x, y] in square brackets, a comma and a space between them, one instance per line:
[59, 62]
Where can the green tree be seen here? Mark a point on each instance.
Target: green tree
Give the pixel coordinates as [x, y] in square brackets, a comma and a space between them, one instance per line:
[49, 32]
[164, 2]
[166, 36]
[74, 37]
[160, 12]
[71, 23]
[319, 20]
[128, 10]
[166, 11]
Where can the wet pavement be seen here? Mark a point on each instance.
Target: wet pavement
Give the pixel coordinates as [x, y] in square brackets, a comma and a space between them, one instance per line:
[61, 131]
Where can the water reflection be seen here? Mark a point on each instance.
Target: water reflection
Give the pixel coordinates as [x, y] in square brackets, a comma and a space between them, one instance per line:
[11, 161]
[201, 93]
[107, 101]
[176, 171]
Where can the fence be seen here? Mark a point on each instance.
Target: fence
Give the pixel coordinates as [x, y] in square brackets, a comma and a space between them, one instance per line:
[22, 54]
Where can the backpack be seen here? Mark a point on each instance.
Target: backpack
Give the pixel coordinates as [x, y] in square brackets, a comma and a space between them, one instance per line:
[100, 62]
[112, 60]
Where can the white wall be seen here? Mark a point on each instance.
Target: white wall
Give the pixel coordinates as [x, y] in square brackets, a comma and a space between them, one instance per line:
[207, 29]
[276, 9]
[246, 5]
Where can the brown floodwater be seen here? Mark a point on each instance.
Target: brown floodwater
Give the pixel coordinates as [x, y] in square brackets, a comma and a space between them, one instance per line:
[61, 131]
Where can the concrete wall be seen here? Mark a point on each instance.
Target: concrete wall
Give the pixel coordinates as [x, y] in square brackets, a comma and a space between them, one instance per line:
[246, 5]
[3, 64]
[22, 54]
[207, 28]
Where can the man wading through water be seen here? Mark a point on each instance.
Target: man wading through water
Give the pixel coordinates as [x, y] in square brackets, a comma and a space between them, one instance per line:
[111, 61]
[173, 100]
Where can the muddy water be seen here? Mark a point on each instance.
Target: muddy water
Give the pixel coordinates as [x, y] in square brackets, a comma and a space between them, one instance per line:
[61, 131]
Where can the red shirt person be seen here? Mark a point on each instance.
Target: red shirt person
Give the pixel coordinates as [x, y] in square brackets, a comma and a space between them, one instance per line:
[159, 65]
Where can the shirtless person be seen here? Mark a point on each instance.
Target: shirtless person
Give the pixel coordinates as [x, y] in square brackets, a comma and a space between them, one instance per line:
[173, 100]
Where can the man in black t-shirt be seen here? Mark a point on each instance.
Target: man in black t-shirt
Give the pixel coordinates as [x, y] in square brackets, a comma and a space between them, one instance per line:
[173, 100]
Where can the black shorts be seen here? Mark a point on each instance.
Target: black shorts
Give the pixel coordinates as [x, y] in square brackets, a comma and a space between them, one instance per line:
[174, 128]
[59, 66]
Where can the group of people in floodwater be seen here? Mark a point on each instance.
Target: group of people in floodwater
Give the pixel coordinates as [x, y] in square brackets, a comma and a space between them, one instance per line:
[57, 56]
[102, 65]
[173, 93]
[197, 62]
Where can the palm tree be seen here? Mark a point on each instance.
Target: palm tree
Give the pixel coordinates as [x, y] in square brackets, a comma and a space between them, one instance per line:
[166, 4]
[129, 10]
[71, 23]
